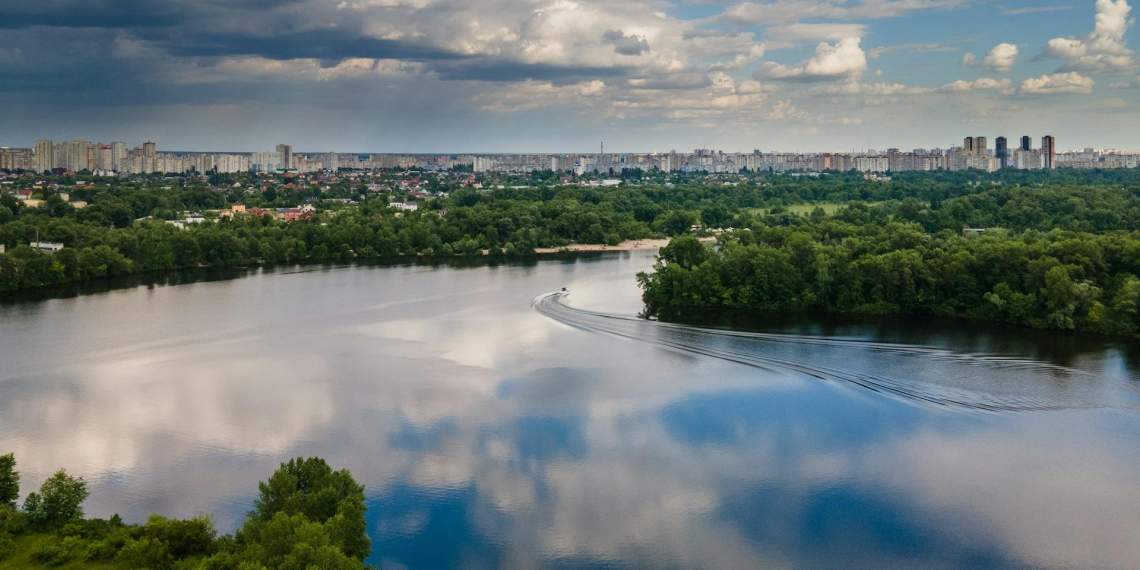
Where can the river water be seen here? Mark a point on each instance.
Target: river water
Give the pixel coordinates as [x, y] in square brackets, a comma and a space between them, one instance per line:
[495, 425]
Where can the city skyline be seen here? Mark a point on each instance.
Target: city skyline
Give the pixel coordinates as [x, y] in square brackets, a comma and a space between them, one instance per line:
[518, 76]
[973, 153]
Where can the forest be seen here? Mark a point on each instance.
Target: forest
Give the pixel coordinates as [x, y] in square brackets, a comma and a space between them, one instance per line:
[306, 516]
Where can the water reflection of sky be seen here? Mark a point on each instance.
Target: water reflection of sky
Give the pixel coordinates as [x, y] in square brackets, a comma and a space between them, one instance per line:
[490, 436]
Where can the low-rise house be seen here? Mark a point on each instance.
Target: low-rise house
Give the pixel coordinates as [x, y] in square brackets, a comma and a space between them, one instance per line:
[295, 214]
[46, 247]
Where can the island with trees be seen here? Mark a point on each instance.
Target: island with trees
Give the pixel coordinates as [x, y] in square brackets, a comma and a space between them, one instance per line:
[1055, 257]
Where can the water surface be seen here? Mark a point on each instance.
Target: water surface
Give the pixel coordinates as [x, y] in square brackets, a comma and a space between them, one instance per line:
[494, 430]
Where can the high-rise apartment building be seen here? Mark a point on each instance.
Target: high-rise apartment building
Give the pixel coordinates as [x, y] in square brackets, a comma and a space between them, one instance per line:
[45, 156]
[104, 158]
[1049, 150]
[149, 164]
[980, 148]
[286, 152]
[1001, 151]
[1026, 144]
[119, 156]
[59, 155]
[77, 155]
[968, 145]
[332, 162]
[269, 161]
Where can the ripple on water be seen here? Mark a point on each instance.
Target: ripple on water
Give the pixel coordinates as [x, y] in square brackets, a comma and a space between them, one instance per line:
[925, 375]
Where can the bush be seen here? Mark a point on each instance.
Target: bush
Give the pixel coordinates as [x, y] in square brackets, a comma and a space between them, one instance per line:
[59, 501]
[146, 553]
[7, 546]
[183, 538]
[12, 521]
[54, 550]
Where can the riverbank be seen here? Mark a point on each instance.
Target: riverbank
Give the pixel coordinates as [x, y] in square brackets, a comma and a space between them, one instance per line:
[206, 273]
[628, 245]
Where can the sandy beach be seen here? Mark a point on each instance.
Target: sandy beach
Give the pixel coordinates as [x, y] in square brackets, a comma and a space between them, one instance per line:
[629, 245]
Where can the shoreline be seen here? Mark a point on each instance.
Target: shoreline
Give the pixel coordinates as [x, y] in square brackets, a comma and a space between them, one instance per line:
[628, 245]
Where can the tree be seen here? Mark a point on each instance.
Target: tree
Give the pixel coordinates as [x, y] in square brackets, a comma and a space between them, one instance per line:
[686, 251]
[311, 489]
[9, 480]
[59, 501]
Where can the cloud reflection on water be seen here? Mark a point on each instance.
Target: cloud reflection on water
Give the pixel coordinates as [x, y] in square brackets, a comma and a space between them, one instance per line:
[489, 435]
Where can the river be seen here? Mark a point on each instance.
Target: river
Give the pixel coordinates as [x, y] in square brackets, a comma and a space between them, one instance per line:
[496, 425]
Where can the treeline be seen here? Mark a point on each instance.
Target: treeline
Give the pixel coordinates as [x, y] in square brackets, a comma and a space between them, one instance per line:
[306, 516]
[121, 231]
[370, 230]
[1057, 279]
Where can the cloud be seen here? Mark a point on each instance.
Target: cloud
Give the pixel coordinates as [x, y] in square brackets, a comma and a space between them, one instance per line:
[741, 59]
[1135, 83]
[626, 45]
[1001, 58]
[981, 84]
[1104, 49]
[1065, 48]
[900, 89]
[1032, 10]
[1067, 82]
[9, 54]
[792, 11]
[874, 53]
[799, 32]
[843, 61]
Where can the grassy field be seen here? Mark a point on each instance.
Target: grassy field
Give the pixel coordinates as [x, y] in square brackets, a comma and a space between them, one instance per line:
[804, 209]
[28, 543]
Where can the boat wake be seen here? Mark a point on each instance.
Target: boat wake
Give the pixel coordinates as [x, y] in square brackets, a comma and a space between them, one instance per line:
[919, 374]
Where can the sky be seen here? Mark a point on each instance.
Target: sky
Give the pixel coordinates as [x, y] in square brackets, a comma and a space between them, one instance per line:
[456, 76]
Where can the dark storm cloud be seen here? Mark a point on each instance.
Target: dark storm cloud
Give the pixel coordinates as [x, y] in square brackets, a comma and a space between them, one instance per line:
[123, 14]
[201, 32]
[496, 70]
[17, 14]
[324, 45]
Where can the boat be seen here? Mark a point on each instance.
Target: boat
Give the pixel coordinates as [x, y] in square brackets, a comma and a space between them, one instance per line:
[564, 291]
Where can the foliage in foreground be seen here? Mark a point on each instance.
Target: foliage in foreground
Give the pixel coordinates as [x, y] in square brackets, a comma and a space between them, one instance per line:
[306, 516]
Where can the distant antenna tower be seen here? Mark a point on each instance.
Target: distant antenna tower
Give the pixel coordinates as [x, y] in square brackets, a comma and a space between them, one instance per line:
[603, 148]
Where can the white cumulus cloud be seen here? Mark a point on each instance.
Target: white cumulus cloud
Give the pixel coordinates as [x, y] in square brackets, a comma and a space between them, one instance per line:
[1065, 82]
[1001, 58]
[1104, 49]
[843, 61]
